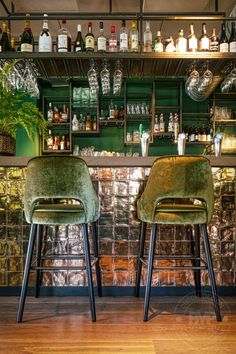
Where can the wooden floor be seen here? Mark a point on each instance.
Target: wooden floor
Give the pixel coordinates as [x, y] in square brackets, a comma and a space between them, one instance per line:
[62, 325]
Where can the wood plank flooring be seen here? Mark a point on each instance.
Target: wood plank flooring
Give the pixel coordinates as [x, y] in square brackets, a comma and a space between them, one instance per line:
[62, 325]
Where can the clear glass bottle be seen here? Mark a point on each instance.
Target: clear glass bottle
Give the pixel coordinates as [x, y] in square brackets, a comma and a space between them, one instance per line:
[89, 39]
[147, 39]
[49, 140]
[214, 41]
[156, 128]
[27, 39]
[192, 40]
[45, 38]
[204, 42]
[123, 38]
[170, 45]
[224, 42]
[181, 42]
[79, 42]
[101, 40]
[162, 123]
[158, 43]
[112, 42]
[232, 39]
[63, 38]
[133, 37]
[50, 113]
[75, 123]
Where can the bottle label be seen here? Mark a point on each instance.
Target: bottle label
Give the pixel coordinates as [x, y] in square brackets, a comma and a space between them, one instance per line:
[89, 42]
[214, 46]
[134, 42]
[204, 43]
[78, 47]
[45, 44]
[101, 44]
[232, 47]
[62, 43]
[181, 45]
[26, 47]
[192, 43]
[112, 44]
[158, 47]
[123, 41]
[224, 47]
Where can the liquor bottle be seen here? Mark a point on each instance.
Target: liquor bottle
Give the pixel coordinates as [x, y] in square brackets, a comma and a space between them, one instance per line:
[13, 44]
[147, 39]
[232, 39]
[79, 42]
[62, 143]
[56, 115]
[88, 122]
[94, 125]
[162, 123]
[214, 41]
[158, 43]
[63, 38]
[4, 41]
[176, 126]
[55, 143]
[112, 42]
[156, 128]
[123, 38]
[27, 38]
[170, 45]
[64, 115]
[171, 123]
[224, 43]
[89, 39]
[181, 42]
[45, 38]
[75, 123]
[49, 140]
[80, 126]
[192, 40]
[204, 42]
[134, 45]
[50, 113]
[101, 40]
[111, 111]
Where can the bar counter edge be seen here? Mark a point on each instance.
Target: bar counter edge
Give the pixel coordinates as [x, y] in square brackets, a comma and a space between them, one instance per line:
[105, 161]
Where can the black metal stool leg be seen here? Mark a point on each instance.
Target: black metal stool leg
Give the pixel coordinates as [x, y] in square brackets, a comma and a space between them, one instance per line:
[197, 262]
[211, 272]
[89, 271]
[96, 255]
[150, 269]
[38, 259]
[140, 255]
[26, 272]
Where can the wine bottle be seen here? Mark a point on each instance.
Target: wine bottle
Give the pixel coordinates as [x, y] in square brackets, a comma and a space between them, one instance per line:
[79, 42]
[181, 42]
[232, 39]
[214, 41]
[147, 39]
[123, 37]
[134, 45]
[89, 39]
[192, 40]
[101, 40]
[4, 41]
[63, 38]
[112, 47]
[45, 38]
[27, 38]
[224, 43]
[204, 42]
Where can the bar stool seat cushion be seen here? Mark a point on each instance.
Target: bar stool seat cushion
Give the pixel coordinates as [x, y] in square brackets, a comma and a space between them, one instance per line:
[42, 200]
[165, 183]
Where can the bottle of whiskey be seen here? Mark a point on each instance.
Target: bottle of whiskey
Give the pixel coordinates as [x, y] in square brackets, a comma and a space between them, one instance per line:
[204, 42]
[192, 40]
[88, 124]
[147, 39]
[89, 39]
[101, 40]
[27, 38]
[45, 38]
[79, 42]
[63, 38]
[112, 42]
[134, 43]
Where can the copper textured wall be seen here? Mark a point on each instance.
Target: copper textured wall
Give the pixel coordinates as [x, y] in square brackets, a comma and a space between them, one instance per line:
[118, 229]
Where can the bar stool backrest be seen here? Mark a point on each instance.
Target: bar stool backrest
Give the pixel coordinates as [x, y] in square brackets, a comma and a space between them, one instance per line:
[177, 177]
[59, 177]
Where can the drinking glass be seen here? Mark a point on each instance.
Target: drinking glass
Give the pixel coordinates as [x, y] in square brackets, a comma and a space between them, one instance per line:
[105, 79]
[117, 79]
[205, 81]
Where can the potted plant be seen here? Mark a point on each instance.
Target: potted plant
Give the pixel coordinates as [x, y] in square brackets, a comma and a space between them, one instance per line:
[16, 109]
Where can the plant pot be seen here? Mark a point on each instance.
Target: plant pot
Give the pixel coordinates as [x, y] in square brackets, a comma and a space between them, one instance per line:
[7, 145]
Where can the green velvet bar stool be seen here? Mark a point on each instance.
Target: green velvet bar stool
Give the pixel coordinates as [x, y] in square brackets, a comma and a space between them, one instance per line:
[49, 180]
[173, 185]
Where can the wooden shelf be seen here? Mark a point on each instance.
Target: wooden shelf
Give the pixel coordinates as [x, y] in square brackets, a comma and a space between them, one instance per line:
[85, 133]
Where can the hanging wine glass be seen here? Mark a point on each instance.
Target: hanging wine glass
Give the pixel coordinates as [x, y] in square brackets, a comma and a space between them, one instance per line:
[105, 79]
[92, 78]
[117, 79]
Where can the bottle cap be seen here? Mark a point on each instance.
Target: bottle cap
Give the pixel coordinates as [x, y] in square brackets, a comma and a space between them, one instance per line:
[113, 29]
[158, 33]
[101, 25]
[45, 15]
[78, 28]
